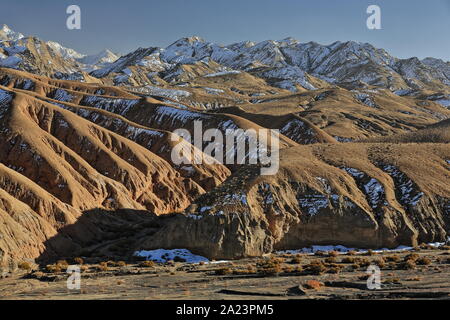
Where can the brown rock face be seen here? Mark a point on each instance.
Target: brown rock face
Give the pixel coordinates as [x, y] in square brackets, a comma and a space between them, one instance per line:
[55, 166]
[87, 169]
[380, 196]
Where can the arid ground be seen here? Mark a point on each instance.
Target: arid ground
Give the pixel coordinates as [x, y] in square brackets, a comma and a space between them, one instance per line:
[417, 274]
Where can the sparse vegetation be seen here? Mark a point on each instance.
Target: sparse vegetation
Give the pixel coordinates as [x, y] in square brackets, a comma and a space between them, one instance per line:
[147, 264]
[24, 265]
[313, 285]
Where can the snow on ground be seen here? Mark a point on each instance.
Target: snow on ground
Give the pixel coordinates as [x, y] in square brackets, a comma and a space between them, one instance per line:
[410, 194]
[222, 73]
[119, 106]
[213, 90]
[313, 203]
[343, 249]
[163, 255]
[62, 95]
[5, 99]
[167, 93]
[365, 99]
[10, 62]
[444, 102]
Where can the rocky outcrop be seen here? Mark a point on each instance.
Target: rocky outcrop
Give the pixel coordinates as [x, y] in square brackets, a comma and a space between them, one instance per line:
[380, 196]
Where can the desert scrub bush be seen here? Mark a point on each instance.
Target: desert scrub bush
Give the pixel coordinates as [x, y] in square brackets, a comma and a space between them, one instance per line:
[370, 252]
[411, 256]
[53, 268]
[330, 260]
[364, 277]
[296, 260]
[424, 261]
[24, 266]
[147, 264]
[316, 267]
[62, 263]
[391, 281]
[269, 267]
[84, 268]
[425, 246]
[363, 262]
[313, 284]
[355, 266]
[78, 260]
[299, 269]
[223, 271]
[103, 266]
[408, 265]
[288, 269]
[333, 254]
[393, 258]
[415, 278]
[334, 269]
[320, 253]
[121, 264]
[351, 253]
[444, 247]
[349, 260]
[381, 263]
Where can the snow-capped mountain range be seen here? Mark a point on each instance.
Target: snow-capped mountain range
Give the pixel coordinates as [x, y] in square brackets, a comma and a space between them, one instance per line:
[15, 50]
[287, 64]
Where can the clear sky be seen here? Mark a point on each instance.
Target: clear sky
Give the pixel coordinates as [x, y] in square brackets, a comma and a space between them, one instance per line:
[409, 27]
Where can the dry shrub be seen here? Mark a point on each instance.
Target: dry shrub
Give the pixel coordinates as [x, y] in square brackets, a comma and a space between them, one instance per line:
[424, 261]
[392, 281]
[411, 256]
[313, 285]
[380, 263]
[408, 265]
[288, 269]
[53, 268]
[364, 262]
[415, 278]
[63, 264]
[103, 266]
[333, 253]
[351, 253]
[316, 267]
[223, 271]
[147, 264]
[269, 267]
[393, 258]
[296, 260]
[78, 260]
[335, 269]
[121, 264]
[24, 265]
[364, 277]
[330, 260]
[349, 260]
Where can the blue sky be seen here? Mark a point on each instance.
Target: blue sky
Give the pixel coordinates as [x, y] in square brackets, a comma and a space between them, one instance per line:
[409, 27]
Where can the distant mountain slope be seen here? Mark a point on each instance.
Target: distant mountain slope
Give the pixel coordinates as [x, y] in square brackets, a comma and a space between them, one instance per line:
[49, 58]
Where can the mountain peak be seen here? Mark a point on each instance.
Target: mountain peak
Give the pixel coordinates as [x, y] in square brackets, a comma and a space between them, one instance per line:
[7, 34]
